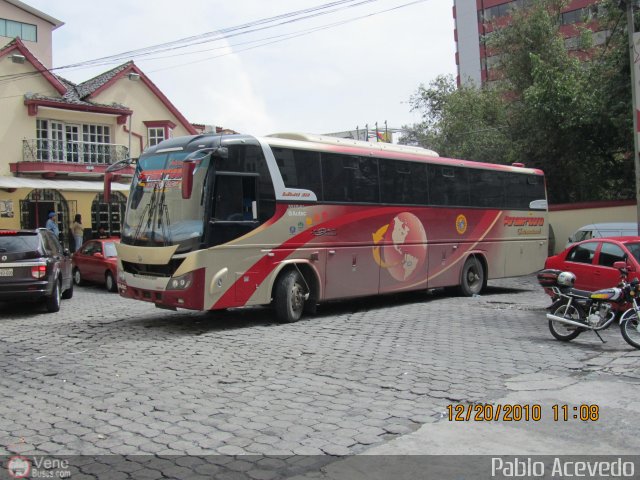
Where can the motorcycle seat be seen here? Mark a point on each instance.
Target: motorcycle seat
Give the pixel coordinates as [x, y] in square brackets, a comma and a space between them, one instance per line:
[580, 293]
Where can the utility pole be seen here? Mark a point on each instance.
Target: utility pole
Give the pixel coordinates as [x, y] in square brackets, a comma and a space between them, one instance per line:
[634, 43]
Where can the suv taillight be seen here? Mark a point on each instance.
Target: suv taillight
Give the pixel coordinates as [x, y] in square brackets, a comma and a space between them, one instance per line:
[39, 271]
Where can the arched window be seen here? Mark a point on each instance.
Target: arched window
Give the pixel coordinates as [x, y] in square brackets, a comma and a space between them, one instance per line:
[35, 208]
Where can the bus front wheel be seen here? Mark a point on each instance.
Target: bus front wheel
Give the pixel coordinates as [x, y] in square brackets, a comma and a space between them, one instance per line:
[290, 296]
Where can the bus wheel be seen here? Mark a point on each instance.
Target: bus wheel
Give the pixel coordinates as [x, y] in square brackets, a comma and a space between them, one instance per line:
[472, 281]
[290, 297]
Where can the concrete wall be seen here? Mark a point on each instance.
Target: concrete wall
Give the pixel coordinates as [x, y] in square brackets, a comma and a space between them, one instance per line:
[42, 47]
[566, 219]
[15, 123]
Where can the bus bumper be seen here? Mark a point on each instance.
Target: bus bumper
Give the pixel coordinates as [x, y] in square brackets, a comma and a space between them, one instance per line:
[185, 291]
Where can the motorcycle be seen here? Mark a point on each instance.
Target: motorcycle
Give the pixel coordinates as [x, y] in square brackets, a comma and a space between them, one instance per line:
[575, 311]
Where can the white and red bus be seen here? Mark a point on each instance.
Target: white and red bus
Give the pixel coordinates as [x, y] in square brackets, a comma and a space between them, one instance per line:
[214, 222]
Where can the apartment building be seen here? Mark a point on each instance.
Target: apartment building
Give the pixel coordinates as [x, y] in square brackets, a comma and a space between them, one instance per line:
[476, 19]
[58, 137]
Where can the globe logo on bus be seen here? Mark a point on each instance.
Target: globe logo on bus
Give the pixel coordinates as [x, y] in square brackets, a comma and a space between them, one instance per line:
[404, 246]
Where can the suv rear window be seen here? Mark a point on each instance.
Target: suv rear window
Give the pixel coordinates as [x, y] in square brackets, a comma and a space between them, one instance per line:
[19, 243]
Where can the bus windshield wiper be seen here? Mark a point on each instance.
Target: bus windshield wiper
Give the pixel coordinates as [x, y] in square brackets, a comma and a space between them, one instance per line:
[155, 215]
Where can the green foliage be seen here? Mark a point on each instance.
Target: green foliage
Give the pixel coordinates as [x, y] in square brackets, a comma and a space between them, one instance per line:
[570, 117]
[460, 123]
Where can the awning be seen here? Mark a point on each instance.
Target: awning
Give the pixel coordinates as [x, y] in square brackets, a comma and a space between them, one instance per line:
[67, 185]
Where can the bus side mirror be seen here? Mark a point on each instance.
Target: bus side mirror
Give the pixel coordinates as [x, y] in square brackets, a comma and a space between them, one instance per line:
[188, 167]
[107, 187]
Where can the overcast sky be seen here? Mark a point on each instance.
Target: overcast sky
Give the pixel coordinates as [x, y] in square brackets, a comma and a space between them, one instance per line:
[329, 80]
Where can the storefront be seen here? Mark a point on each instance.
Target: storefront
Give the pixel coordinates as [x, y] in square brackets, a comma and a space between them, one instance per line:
[26, 203]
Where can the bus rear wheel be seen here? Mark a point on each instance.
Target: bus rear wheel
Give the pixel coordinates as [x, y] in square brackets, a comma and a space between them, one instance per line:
[290, 296]
[473, 279]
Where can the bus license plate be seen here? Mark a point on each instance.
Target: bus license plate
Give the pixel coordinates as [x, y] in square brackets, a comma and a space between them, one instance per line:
[6, 272]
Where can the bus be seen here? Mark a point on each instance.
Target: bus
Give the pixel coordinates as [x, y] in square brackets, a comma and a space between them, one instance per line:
[292, 220]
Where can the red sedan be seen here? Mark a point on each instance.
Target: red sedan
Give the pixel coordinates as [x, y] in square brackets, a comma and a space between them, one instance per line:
[97, 262]
[592, 261]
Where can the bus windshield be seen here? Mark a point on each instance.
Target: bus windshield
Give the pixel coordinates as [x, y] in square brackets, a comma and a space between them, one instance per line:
[157, 215]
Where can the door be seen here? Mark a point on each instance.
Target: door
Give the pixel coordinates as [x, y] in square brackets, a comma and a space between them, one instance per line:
[605, 275]
[72, 136]
[234, 208]
[88, 264]
[34, 214]
[579, 260]
[57, 143]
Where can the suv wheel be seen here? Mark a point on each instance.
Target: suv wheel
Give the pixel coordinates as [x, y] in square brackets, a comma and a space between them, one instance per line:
[53, 301]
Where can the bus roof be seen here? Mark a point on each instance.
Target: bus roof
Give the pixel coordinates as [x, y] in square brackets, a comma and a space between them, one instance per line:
[348, 142]
[329, 144]
[358, 147]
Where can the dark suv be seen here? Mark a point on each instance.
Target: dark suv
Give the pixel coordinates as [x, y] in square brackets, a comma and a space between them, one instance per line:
[33, 266]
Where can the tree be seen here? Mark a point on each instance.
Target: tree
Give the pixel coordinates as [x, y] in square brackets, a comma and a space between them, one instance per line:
[462, 122]
[568, 113]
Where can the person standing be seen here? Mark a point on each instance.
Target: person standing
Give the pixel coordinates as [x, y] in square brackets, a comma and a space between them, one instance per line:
[52, 224]
[77, 231]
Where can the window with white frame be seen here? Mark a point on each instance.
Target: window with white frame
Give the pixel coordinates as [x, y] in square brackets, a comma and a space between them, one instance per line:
[155, 135]
[60, 142]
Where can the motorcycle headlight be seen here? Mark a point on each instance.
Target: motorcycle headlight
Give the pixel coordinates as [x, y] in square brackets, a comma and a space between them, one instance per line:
[181, 283]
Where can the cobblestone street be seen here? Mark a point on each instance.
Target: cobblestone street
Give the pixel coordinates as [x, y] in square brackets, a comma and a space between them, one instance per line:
[112, 376]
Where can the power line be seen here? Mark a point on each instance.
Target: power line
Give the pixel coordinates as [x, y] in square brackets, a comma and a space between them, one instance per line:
[216, 35]
[289, 36]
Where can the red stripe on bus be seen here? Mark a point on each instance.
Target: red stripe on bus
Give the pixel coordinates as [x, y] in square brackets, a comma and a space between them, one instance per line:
[263, 267]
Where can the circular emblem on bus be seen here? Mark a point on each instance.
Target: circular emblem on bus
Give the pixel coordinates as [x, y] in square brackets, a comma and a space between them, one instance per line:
[461, 224]
[404, 246]
[19, 467]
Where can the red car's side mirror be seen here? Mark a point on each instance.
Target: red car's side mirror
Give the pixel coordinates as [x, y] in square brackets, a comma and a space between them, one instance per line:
[620, 265]
[98, 255]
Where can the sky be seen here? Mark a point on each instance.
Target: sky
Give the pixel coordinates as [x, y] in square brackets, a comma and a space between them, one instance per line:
[332, 79]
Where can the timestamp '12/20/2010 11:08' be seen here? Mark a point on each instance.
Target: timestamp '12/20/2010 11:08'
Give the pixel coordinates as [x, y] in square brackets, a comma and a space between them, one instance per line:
[479, 412]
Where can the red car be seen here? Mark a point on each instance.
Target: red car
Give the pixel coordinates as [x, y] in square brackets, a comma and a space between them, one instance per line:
[592, 261]
[97, 262]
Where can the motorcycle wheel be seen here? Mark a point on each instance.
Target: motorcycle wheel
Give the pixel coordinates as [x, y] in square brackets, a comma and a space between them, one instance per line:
[630, 328]
[562, 331]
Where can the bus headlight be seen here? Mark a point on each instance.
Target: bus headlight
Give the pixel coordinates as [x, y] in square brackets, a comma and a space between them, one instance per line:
[181, 283]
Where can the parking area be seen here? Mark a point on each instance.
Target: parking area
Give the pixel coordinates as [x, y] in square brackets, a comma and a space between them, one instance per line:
[107, 375]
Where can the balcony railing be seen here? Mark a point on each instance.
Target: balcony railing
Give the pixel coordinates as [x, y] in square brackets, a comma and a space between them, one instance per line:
[90, 153]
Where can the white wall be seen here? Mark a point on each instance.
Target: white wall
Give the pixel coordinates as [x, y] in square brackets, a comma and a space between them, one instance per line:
[468, 43]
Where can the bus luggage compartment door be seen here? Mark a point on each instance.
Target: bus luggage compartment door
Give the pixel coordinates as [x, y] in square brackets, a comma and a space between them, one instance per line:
[351, 272]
